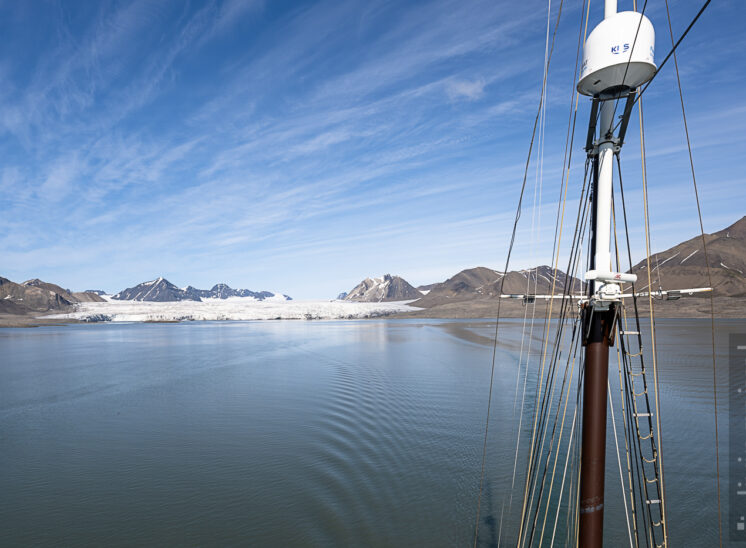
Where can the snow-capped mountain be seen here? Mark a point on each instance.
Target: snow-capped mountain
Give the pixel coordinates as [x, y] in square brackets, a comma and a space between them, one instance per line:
[158, 290]
[161, 290]
[388, 288]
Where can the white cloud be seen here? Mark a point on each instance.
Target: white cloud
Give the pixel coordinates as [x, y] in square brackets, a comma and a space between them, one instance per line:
[465, 89]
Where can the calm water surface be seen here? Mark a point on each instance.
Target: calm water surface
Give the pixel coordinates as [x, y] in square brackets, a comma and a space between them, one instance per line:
[289, 434]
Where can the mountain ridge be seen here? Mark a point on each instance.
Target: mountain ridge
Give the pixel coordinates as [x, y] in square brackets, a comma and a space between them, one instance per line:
[683, 265]
[161, 290]
[484, 283]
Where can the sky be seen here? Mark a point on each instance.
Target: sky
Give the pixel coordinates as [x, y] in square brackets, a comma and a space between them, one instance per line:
[300, 147]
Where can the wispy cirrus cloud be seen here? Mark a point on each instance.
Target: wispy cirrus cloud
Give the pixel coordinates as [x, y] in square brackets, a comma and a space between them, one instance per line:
[464, 89]
[246, 141]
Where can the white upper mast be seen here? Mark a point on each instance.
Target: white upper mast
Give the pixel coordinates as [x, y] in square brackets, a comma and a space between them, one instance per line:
[617, 59]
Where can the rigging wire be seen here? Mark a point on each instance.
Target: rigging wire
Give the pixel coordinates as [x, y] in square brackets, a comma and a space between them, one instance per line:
[631, 51]
[623, 380]
[564, 475]
[541, 417]
[652, 322]
[505, 272]
[544, 408]
[535, 232]
[707, 264]
[548, 397]
[576, 249]
[520, 416]
[559, 441]
[619, 462]
[670, 54]
[634, 442]
[515, 401]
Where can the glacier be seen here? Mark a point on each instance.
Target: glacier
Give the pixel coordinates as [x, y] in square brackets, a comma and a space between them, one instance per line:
[233, 308]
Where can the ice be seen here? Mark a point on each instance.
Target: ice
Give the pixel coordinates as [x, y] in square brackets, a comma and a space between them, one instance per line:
[234, 308]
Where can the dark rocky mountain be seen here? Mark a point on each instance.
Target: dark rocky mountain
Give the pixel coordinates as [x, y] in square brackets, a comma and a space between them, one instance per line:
[684, 266]
[342, 295]
[158, 290]
[223, 291]
[95, 291]
[485, 283]
[197, 294]
[161, 290]
[388, 288]
[32, 296]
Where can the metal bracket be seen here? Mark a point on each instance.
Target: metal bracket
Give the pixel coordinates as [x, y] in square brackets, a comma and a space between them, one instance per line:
[589, 144]
[626, 115]
[616, 141]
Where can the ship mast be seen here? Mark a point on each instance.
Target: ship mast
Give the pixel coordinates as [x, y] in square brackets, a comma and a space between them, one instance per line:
[617, 59]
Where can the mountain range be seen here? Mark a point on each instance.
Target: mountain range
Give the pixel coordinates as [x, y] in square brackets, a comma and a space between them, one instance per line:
[484, 283]
[468, 285]
[161, 290]
[470, 293]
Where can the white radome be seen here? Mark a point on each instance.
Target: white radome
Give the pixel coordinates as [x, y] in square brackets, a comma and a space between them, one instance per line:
[610, 62]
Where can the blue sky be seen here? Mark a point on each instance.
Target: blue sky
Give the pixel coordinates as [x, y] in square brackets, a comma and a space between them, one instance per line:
[302, 146]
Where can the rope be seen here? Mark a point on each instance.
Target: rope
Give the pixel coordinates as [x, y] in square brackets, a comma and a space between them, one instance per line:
[512, 241]
[627, 452]
[631, 51]
[632, 409]
[545, 407]
[515, 400]
[556, 458]
[520, 417]
[502, 282]
[564, 475]
[652, 320]
[541, 411]
[619, 462]
[709, 274]
[670, 54]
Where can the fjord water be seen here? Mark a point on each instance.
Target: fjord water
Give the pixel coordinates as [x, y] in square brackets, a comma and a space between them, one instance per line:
[348, 433]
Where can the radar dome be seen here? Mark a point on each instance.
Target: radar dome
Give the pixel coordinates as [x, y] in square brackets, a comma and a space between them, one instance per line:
[617, 56]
